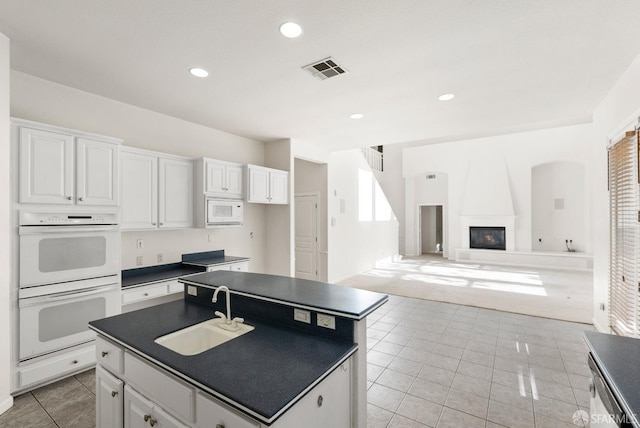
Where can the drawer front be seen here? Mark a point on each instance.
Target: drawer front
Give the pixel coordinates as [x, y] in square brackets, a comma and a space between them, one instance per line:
[217, 267]
[175, 287]
[240, 267]
[52, 367]
[142, 293]
[169, 392]
[212, 413]
[109, 355]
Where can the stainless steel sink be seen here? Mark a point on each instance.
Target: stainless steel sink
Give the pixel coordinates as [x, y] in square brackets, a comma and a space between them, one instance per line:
[201, 337]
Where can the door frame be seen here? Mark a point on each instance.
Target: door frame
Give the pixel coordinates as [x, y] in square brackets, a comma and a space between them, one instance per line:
[317, 245]
[445, 248]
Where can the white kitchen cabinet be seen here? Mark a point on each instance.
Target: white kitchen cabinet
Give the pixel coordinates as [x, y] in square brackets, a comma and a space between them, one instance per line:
[157, 190]
[140, 412]
[213, 413]
[326, 405]
[175, 203]
[222, 179]
[109, 404]
[267, 185]
[66, 167]
[239, 267]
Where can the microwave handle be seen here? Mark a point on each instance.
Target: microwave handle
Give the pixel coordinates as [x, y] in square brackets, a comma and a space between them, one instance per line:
[35, 230]
[32, 301]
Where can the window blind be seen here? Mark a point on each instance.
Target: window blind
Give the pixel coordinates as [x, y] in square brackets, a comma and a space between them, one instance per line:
[624, 206]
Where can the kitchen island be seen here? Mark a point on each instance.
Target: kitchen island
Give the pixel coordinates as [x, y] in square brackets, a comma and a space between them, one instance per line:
[303, 364]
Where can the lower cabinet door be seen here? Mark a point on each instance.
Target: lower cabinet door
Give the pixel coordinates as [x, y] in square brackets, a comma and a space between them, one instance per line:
[139, 412]
[109, 400]
[326, 405]
[211, 413]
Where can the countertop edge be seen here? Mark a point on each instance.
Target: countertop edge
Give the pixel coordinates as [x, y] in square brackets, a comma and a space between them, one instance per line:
[611, 383]
[238, 260]
[221, 397]
[350, 315]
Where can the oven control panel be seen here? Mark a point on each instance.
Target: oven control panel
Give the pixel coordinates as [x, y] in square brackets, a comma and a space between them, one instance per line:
[53, 219]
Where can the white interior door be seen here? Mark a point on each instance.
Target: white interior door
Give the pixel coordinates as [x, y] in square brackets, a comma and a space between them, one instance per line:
[306, 229]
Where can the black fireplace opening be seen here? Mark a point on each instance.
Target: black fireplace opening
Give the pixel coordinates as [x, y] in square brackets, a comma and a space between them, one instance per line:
[487, 238]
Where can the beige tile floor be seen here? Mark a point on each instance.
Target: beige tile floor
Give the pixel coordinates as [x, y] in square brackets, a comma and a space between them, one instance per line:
[551, 293]
[433, 364]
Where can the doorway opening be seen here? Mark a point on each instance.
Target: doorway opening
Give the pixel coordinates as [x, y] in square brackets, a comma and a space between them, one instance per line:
[431, 236]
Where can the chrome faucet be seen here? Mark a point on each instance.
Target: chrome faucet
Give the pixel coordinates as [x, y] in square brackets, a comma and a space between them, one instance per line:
[229, 324]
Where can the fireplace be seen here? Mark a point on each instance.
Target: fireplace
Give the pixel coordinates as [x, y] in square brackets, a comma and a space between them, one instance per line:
[487, 238]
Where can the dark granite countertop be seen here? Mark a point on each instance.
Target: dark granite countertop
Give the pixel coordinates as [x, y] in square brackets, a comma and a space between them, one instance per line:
[211, 261]
[619, 359]
[210, 258]
[335, 299]
[139, 276]
[262, 372]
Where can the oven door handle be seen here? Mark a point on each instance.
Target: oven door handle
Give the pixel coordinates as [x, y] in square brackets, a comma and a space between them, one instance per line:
[35, 230]
[32, 301]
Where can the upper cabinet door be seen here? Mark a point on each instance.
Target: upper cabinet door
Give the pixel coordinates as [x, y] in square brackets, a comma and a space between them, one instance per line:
[46, 167]
[96, 172]
[279, 187]
[139, 190]
[258, 186]
[175, 193]
[215, 178]
[234, 181]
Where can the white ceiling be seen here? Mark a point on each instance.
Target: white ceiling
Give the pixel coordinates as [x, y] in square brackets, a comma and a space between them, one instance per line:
[513, 64]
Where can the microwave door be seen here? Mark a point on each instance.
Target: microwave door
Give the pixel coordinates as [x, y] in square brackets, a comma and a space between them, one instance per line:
[219, 212]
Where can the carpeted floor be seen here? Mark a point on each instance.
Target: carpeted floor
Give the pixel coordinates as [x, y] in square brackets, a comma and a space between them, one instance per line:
[551, 293]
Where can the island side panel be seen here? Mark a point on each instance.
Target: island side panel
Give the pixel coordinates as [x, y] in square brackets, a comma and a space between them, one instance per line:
[359, 375]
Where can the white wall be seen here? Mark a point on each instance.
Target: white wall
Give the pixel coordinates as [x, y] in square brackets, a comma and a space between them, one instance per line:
[365, 229]
[619, 110]
[43, 101]
[279, 233]
[515, 153]
[393, 184]
[558, 207]
[6, 401]
[311, 177]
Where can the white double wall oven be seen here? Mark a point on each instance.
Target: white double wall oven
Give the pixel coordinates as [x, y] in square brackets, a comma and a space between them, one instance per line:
[69, 275]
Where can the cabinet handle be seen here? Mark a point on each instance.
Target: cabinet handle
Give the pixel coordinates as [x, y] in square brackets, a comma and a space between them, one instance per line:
[152, 422]
[69, 198]
[104, 353]
[114, 393]
[147, 417]
[81, 199]
[74, 362]
[320, 400]
[219, 425]
[153, 224]
[146, 294]
[161, 224]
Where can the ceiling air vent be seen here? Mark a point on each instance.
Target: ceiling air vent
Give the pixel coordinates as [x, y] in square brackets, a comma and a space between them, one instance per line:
[431, 176]
[324, 69]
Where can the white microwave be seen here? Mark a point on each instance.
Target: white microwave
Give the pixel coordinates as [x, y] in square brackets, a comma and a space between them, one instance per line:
[224, 212]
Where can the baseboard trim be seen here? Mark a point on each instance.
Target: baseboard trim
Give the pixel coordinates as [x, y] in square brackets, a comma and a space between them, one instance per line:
[6, 404]
[600, 328]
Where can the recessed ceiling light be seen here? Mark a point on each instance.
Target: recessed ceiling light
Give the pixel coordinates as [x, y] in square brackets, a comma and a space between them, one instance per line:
[290, 30]
[198, 72]
[446, 97]
[357, 116]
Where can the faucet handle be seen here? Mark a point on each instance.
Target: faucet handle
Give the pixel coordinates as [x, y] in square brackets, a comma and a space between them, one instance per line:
[221, 315]
[236, 321]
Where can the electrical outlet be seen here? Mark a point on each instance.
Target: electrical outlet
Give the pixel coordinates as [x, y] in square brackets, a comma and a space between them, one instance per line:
[327, 321]
[140, 243]
[160, 258]
[192, 290]
[139, 261]
[251, 235]
[302, 315]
